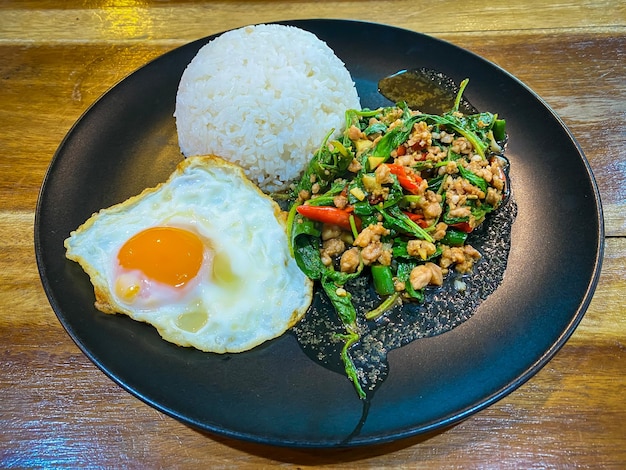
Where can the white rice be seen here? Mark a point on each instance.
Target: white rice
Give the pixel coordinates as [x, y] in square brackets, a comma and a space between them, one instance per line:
[263, 97]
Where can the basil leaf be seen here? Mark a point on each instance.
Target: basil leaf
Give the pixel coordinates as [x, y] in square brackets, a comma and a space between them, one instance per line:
[404, 273]
[343, 304]
[473, 178]
[377, 127]
[307, 255]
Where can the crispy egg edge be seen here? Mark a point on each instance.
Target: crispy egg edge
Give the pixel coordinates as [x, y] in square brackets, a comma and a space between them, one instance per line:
[103, 298]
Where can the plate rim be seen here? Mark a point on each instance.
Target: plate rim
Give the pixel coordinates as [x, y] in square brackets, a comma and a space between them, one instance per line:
[459, 415]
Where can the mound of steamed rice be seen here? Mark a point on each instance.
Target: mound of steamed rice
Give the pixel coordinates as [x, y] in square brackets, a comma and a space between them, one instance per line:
[263, 97]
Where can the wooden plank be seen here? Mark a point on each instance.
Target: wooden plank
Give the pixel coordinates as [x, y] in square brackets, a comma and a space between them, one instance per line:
[134, 21]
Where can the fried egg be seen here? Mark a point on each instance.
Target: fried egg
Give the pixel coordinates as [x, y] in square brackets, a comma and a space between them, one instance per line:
[203, 257]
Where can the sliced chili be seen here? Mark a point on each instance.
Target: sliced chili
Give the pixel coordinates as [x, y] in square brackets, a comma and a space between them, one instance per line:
[330, 215]
[406, 177]
[463, 227]
[417, 218]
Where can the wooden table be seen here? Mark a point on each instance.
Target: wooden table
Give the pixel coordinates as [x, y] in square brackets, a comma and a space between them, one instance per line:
[58, 410]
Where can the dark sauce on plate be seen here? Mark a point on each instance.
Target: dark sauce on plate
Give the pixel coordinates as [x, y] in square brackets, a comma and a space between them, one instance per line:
[444, 307]
[423, 89]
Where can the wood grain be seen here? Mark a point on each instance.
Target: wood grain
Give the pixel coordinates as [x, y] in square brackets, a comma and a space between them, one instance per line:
[58, 410]
[140, 21]
[88, 71]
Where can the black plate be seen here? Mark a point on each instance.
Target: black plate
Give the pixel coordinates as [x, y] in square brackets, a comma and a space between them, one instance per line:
[275, 394]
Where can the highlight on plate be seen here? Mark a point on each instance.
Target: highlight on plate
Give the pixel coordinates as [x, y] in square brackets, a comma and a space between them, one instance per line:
[269, 113]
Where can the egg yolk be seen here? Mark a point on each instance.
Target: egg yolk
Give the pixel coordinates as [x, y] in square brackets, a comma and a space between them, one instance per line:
[169, 255]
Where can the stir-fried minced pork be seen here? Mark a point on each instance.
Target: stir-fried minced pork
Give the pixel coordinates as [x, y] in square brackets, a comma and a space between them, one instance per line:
[397, 197]
[455, 204]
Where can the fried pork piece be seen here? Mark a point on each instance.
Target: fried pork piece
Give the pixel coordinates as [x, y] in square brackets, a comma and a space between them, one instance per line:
[372, 249]
[430, 205]
[426, 274]
[331, 248]
[462, 257]
[350, 260]
[420, 248]
[368, 247]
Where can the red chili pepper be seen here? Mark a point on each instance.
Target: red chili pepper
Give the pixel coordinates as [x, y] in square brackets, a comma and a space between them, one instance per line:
[329, 215]
[406, 177]
[417, 218]
[463, 227]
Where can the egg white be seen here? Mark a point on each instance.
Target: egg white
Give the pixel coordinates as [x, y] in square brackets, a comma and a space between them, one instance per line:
[249, 288]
